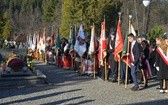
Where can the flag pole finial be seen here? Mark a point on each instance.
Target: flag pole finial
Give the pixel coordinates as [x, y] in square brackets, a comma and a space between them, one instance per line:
[119, 14]
[130, 17]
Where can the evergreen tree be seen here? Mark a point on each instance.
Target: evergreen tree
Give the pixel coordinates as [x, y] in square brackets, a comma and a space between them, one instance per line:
[68, 15]
[87, 12]
[6, 31]
[49, 8]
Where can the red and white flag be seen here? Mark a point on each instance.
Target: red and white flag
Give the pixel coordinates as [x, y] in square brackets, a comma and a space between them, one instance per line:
[119, 44]
[102, 43]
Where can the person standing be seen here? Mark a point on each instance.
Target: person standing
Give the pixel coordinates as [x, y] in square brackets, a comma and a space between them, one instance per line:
[134, 54]
[144, 58]
[162, 64]
[112, 62]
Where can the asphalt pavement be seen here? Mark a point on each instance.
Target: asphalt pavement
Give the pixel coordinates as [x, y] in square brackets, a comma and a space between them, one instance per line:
[68, 88]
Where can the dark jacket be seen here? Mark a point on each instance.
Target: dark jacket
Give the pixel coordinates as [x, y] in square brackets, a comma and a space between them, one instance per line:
[110, 51]
[163, 67]
[136, 53]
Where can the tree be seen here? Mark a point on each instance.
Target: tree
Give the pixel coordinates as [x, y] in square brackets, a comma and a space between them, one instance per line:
[87, 12]
[155, 32]
[6, 31]
[49, 8]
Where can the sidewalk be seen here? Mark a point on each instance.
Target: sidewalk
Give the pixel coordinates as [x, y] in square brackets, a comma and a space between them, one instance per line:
[68, 88]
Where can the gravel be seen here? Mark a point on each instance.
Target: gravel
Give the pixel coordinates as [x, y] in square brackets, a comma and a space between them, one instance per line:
[68, 88]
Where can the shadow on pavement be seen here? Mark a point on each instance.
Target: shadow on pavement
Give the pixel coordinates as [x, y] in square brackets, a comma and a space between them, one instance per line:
[155, 102]
[56, 76]
[41, 97]
[67, 100]
[61, 77]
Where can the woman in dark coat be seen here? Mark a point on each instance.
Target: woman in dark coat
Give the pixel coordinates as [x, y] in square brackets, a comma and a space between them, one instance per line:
[144, 58]
[162, 63]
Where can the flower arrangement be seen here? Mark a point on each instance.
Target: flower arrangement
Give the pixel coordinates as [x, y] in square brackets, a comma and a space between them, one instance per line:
[16, 64]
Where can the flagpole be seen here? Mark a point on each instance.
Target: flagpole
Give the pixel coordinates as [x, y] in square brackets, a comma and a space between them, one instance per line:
[44, 56]
[105, 64]
[57, 49]
[72, 56]
[119, 13]
[94, 66]
[126, 76]
[94, 61]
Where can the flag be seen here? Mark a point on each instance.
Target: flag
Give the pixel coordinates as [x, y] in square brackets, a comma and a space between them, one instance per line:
[93, 43]
[57, 41]
[102, 43]
[43, 41]
[132, 30]
[81, 32]
[29, 41]
[72, 39]
[80, 45]
[52, 40]
[34, 42]
[38, 42]
[125, 57]
[118, 42]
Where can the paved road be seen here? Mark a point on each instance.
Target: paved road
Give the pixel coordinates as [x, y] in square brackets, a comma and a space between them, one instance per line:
[70, 89]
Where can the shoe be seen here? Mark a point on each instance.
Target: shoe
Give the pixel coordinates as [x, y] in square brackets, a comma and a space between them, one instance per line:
[161, 91]
[166, 91]
[122, 82]
[146, 85]
[130, 81]
[135, 88]
[113, 80]
[100, 78]
[158, 88]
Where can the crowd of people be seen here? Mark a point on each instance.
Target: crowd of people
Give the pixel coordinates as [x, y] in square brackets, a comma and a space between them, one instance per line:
[146, 60]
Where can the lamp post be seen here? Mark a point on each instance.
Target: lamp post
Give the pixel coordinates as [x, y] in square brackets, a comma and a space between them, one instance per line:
[146, 4]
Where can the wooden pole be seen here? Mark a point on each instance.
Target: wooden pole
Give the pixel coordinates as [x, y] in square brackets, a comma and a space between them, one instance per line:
[94, 66]
[81, 67]
[119, 72]
[72, 63]
[126, 75]
[105, 64]
[119, 13]
[105, 69]
[57, 57]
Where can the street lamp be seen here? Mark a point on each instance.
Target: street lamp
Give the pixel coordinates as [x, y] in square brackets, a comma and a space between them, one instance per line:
[146, 2]
[145, 21]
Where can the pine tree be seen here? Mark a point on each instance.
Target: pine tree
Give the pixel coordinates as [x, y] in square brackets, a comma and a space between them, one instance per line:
[6, 32]
[68, 15]
[49, 8]
[87, 12]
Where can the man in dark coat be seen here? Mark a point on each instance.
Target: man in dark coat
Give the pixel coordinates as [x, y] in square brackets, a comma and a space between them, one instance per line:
[112, 62]
[134, 58]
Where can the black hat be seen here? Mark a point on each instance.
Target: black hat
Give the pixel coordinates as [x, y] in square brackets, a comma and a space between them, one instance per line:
[112, 33]
[131, 35]
[144, 37]
[165, 36]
